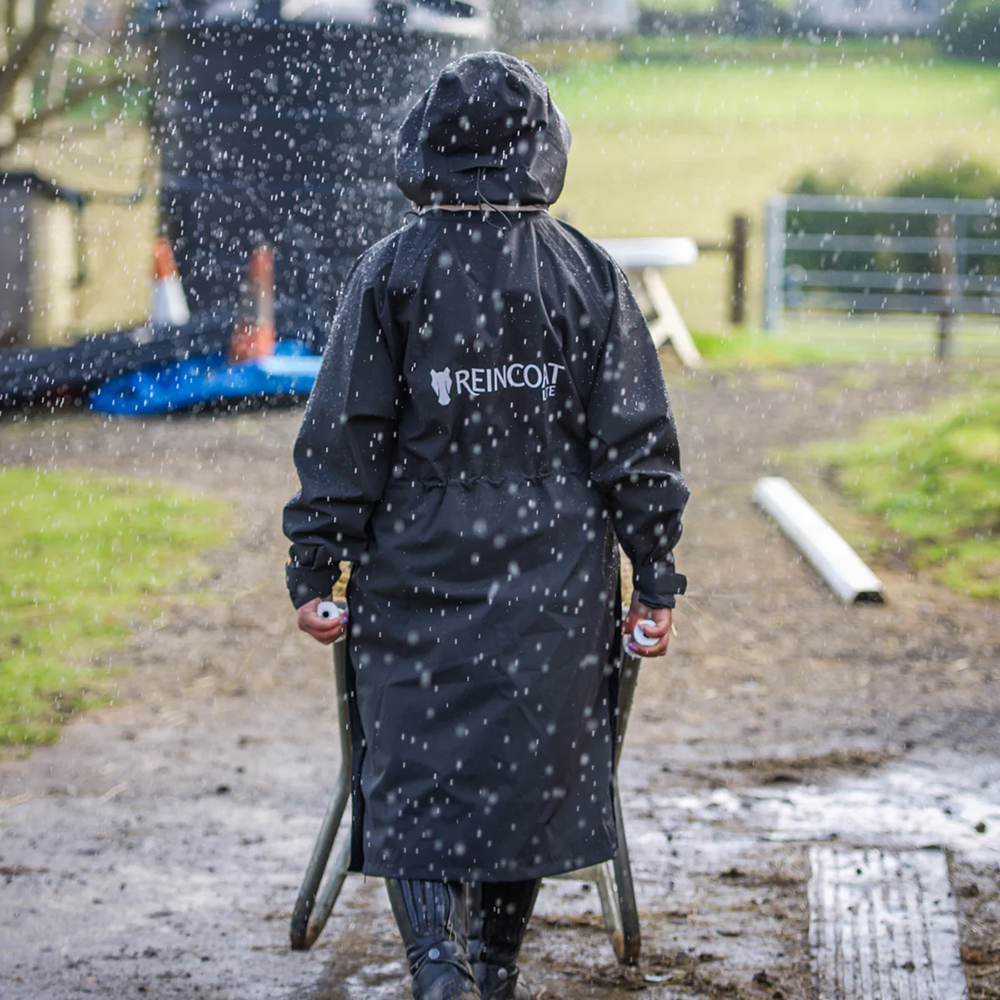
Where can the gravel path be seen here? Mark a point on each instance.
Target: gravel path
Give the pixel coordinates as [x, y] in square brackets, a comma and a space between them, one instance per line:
[156, 849]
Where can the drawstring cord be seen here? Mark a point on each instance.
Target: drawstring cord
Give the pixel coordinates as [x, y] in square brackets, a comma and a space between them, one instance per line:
[484, 205]
[483, 200]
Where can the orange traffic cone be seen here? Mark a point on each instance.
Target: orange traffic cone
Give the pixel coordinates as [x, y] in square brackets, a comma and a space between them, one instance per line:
[253, 335]
[169, 304]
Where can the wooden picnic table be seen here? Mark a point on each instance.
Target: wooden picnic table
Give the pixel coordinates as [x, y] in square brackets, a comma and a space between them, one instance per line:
[643, 260]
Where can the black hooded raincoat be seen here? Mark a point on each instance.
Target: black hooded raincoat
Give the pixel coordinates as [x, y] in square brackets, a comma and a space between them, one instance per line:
[489, 420]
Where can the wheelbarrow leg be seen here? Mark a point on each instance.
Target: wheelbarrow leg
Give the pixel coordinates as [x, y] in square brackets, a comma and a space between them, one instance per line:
[629, 944]
[623, 928]
[614, 878]
[308, 919]
[617, 894]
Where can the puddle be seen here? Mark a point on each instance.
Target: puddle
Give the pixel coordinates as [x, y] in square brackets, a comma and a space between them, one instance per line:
[952, 801]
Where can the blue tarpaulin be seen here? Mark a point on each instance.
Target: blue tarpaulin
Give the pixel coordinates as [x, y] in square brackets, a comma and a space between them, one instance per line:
[290, 371]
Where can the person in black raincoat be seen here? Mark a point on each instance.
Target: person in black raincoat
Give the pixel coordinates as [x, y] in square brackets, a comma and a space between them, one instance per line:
[489, 422]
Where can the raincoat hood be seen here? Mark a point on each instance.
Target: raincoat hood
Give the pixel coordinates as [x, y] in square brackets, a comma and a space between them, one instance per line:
[485, 130]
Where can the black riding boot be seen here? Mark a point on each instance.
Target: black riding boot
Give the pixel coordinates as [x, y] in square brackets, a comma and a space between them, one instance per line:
[432, 920]
[498, 920]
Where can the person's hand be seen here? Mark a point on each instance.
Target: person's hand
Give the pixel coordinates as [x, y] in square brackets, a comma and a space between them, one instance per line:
[324, 630]
[663, 617]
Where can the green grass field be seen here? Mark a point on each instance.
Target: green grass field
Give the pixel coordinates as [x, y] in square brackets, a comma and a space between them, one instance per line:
[672, 135]
[848, 341]
[933, 480]
[81, 560]
[676, 148]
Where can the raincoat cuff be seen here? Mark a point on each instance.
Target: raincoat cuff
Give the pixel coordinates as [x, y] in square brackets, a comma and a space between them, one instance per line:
[657, 585]
[304, 584]
[657, 603]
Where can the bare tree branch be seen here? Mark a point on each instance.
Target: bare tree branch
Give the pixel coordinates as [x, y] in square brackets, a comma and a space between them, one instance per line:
[19, 59]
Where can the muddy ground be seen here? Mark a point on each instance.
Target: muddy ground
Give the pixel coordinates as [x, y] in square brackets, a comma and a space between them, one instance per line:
[155, 851]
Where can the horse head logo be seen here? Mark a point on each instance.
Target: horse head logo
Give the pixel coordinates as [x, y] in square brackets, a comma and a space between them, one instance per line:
[441, 384]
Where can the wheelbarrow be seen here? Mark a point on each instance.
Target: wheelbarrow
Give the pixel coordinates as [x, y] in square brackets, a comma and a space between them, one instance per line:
[613, 878]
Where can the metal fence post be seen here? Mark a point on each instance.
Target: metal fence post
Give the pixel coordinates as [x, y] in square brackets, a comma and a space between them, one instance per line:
[774, 261]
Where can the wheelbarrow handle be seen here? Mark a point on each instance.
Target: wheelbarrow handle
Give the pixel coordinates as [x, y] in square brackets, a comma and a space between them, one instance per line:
[305, 929]
[628, 678]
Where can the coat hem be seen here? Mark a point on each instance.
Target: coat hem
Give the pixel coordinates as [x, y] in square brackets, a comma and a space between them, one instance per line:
[466, 874]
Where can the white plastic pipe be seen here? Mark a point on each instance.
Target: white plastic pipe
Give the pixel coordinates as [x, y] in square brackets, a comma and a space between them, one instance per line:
[839, 565]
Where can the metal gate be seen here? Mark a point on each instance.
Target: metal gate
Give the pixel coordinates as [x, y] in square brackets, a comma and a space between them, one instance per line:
[842, 254]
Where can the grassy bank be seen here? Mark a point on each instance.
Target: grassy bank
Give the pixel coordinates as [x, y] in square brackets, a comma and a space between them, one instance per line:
[934, 481]
[82, 559]
[852, 341]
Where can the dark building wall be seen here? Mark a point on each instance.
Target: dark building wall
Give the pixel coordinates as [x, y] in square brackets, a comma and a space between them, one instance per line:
[283, 131]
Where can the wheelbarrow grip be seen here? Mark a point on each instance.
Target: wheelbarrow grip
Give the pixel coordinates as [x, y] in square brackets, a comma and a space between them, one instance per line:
[302, 934]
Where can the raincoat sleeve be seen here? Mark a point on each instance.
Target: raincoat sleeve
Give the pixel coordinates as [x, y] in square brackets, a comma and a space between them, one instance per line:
[635, 460]
[344, 450]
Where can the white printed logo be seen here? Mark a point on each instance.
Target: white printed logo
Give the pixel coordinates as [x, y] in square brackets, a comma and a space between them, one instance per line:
[475, 381]
[441, 384]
